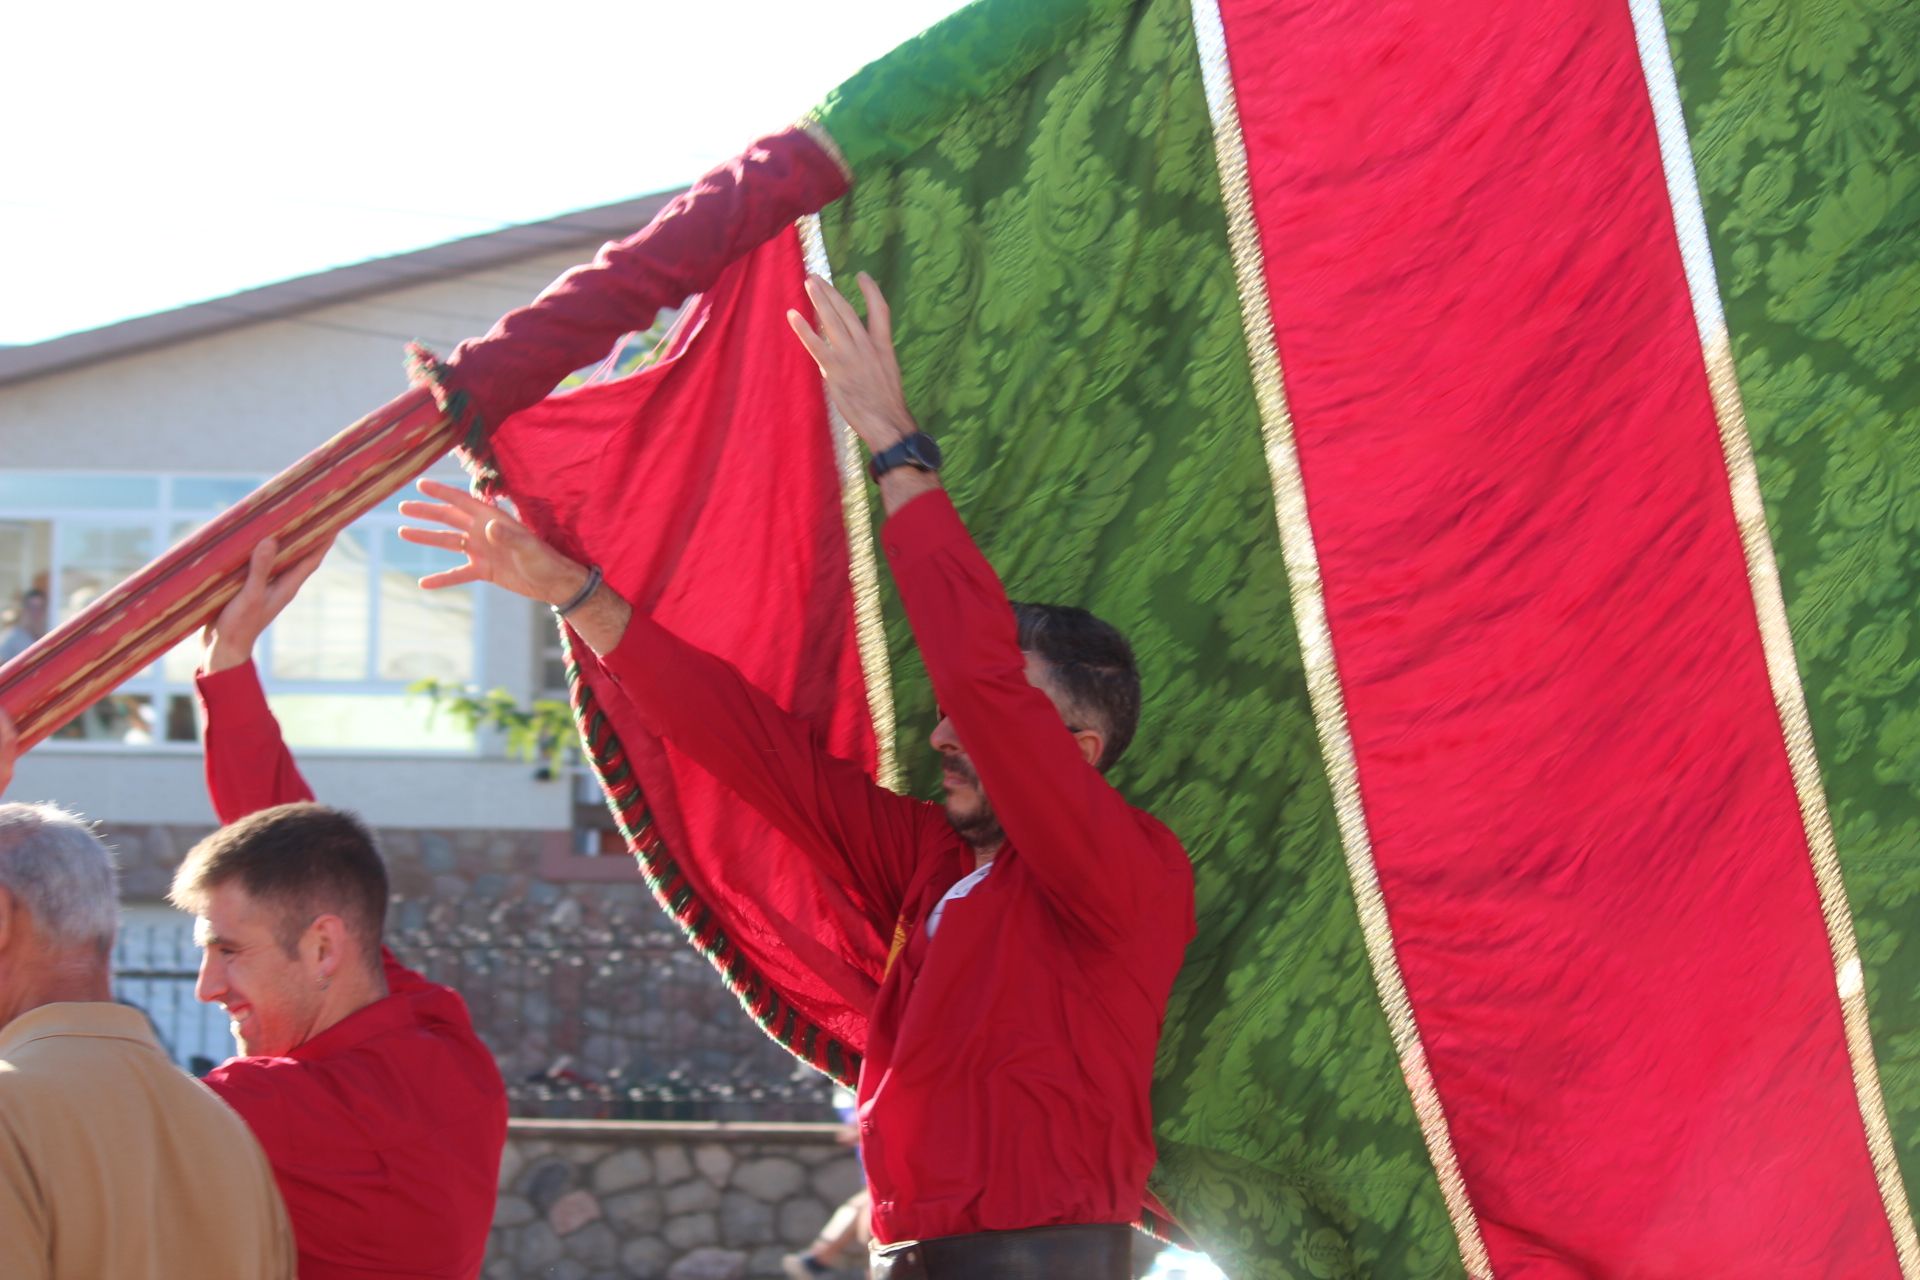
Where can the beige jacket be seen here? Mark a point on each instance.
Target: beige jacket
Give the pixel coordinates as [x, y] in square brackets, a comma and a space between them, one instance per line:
[115, 1163]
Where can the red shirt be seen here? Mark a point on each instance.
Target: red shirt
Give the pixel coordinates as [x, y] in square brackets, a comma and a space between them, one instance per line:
[384, 1131]
[1009, 1056]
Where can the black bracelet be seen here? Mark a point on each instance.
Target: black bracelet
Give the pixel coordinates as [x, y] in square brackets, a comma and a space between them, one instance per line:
[594, 579]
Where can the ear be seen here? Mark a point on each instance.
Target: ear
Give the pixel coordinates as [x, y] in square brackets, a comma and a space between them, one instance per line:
[331, 943]
[9, 929]
[1092, 743]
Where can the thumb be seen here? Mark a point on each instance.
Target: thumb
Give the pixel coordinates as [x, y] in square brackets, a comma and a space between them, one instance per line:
[505, 534]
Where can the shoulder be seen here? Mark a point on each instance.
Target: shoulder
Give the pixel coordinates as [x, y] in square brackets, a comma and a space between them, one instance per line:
[263, 1091]
[1165, 854]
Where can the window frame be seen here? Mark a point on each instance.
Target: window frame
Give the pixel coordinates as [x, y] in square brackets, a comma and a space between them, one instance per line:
[161, 520]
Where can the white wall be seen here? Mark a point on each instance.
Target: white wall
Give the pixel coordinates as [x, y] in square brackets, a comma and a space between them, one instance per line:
[459, 793]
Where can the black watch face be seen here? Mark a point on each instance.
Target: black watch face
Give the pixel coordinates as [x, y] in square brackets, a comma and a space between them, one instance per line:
[923, 452]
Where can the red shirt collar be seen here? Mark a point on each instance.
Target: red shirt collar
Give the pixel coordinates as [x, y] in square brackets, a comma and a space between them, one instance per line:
[389, 1013]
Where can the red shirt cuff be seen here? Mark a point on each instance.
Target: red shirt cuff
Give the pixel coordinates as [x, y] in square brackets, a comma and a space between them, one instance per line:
[236, 692]
[923, 527]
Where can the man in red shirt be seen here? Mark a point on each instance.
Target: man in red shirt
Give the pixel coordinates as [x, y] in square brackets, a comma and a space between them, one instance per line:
[1038, 919]
[382, 1113]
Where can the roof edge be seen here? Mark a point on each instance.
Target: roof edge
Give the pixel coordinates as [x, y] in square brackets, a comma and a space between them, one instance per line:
[329, 287]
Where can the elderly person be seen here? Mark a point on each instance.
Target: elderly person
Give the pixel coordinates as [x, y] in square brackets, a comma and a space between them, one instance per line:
[112, 1161]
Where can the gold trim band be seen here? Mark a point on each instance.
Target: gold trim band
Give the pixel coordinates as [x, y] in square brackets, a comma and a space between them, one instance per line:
[811, 126]
[1316, 640]
[862, 564]
[1770, 609]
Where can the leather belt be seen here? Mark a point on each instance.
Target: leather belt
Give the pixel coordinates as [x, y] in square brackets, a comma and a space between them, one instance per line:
[1102, 1251]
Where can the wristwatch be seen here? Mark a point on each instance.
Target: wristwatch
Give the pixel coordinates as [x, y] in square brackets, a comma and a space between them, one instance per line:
[917, 450]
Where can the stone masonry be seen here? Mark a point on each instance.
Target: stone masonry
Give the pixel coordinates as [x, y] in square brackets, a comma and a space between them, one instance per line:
[583, 1200]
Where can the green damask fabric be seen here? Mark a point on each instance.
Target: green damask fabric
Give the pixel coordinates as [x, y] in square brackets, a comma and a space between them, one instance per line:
[1069, 328]
[1805, 122]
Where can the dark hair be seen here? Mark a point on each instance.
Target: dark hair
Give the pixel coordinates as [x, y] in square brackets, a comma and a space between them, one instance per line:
[300, 860]
[1092, 669]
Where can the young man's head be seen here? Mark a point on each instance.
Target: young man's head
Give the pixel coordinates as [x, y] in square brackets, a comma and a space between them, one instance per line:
[290, 905]
[1085, 667]
[59, 908]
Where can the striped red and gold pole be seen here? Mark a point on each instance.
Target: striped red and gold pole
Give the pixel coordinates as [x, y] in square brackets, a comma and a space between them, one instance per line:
[572, 324]
[91, 653]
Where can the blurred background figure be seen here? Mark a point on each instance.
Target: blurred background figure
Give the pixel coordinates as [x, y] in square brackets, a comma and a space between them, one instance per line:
[29, 624]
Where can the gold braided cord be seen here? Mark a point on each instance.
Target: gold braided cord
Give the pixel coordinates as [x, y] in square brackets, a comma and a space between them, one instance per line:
[1770, 609]
[1789, 700]
[1316, 640]
[862, 564]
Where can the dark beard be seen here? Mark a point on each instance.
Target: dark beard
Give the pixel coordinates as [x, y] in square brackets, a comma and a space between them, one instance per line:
[981, 828]
[978, 830]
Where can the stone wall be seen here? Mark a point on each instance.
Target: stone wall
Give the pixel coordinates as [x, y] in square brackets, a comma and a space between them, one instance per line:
[591, 1201]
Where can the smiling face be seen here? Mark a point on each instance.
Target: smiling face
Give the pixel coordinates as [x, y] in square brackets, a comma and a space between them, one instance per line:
[273, 998]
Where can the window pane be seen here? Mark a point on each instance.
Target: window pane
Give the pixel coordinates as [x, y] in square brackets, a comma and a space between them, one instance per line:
[183, 718]
[323, 633]
[95, 558]
[422, 633]
[387, 721]
[118, 717]
[198, 493]
[27, 490]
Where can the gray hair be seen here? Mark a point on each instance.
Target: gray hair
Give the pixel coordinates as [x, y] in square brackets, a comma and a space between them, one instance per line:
[53, 863]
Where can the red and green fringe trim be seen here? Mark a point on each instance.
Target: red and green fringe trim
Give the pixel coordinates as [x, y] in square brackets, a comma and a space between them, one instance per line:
[424, 369]
[777, 1016]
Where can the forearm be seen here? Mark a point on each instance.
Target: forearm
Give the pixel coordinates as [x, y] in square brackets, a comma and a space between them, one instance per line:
[1071, 827]
[855, 832]
[247, 762]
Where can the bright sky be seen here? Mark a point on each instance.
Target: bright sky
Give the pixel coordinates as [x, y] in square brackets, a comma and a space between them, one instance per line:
[160, 154]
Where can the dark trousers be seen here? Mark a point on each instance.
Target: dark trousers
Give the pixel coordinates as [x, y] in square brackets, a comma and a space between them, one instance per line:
[1097, 1252]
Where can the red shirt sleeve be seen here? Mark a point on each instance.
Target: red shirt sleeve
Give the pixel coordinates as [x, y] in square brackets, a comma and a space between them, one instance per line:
[248, 765]
[855, 832]
[1098, 860]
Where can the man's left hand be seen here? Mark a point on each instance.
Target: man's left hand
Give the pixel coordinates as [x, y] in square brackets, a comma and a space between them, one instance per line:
[857, 361]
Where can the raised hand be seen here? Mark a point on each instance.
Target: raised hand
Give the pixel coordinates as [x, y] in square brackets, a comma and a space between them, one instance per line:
[857, 361]
[230, 637]
[501, 550]
[498, 548]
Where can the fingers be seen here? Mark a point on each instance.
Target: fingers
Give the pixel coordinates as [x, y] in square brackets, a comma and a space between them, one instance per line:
[260, 567]
[879, 316]
[444, 539]
[838, 324]
[295, 575]
[469, 507]
[468, 572]
[816, 345]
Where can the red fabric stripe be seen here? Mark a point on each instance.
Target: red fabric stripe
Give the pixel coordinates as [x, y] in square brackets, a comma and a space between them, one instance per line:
[1582, 814]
